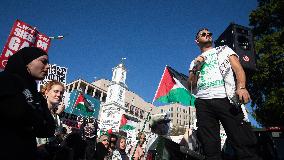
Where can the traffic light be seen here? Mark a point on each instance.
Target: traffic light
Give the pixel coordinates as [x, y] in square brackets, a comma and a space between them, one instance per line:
[240, 39]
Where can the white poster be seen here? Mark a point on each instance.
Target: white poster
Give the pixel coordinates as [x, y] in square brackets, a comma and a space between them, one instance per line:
[55, 72]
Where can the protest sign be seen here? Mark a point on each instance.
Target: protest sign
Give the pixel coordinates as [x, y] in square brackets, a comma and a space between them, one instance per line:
[22, 35]
[55, 72]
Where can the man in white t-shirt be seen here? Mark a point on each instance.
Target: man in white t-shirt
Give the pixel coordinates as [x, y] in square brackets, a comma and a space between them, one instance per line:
[211, 76]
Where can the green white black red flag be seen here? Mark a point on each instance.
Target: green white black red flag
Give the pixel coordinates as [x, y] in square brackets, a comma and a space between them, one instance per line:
[173, 88]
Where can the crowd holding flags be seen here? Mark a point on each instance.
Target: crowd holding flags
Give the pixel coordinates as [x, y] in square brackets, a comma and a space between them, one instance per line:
[172, 87]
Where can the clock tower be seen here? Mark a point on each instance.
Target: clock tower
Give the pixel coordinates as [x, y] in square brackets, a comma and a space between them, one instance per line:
[114, 106]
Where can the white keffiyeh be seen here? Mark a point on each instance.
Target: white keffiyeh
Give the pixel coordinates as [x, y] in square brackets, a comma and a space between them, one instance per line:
[226, 72]
[228, 76]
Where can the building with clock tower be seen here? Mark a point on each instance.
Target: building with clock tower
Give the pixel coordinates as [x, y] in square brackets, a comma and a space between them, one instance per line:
[112, 110]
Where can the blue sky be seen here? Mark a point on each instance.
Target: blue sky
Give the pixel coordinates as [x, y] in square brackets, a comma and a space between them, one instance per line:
[149, 33]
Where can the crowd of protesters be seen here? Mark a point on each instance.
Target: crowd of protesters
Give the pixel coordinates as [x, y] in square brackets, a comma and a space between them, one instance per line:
[33, 129]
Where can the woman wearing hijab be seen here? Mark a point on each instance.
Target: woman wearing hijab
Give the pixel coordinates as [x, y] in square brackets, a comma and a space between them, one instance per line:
[24, 111]
[102, 146]
[119, 153]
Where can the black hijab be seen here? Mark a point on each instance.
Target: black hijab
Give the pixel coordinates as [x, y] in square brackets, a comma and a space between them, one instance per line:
[101, 151]
[17, 65]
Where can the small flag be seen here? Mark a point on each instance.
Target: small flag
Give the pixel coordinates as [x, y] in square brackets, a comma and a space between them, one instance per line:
[82, 104]
[127, 123]
[173, 88]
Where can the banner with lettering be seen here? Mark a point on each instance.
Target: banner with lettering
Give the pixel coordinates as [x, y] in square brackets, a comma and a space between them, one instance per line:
[55, 72]
[73, 120]
[42, 41]
[22, 35]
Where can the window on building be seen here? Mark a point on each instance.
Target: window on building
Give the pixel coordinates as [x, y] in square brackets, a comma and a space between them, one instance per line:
[136, 112]
[141, 113]
[82, 87]
[90, 90]
[104, 97]
[183, 110]
[70, 88]
[120, 94]
[177, 115]
[161, 110]
[98, 94]
[172, 109]
[131, 109]
[126, 106]
[172, 115]
[76, 85]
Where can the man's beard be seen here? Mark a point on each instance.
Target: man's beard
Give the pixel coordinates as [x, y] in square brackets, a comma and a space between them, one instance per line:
[206, 44]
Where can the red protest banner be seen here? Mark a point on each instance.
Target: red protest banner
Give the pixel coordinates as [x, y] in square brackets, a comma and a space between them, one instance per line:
[22, 35]
[42, 41]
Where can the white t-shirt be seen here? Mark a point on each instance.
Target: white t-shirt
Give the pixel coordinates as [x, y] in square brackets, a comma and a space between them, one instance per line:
[210, 83]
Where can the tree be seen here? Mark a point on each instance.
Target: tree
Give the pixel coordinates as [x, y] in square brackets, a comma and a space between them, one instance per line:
[266, 85]
[177, 130]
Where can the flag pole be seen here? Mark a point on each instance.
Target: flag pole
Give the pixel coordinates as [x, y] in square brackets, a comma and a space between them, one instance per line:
[148, 114]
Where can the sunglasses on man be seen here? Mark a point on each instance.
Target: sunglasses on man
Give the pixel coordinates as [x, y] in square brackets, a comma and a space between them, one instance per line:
[203, 34]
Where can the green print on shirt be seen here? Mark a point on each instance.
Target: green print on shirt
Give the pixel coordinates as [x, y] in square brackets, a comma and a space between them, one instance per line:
[207, 73]
[203, 86]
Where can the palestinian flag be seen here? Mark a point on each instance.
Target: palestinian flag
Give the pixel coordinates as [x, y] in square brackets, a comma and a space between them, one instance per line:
[127, 123]
[173, 88]
[83, 105]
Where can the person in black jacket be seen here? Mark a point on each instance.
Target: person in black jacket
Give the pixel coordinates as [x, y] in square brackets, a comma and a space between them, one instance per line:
[102, 152]
[24, 111]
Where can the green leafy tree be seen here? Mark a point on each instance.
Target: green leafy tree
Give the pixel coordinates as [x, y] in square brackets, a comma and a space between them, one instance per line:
[266, 85]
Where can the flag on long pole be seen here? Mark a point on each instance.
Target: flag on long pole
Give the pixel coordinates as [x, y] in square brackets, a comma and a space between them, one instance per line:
[173, 88]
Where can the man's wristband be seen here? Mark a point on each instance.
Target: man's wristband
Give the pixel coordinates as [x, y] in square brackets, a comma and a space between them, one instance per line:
[242, 87]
